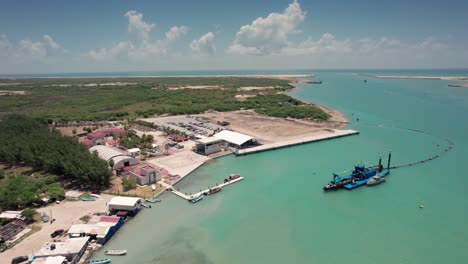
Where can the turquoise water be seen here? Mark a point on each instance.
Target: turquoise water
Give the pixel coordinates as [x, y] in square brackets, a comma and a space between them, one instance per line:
[279, 213]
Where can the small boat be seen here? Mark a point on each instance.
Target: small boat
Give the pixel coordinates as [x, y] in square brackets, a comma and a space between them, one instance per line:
[232, 177]
[88, 198]
[99, 261]
[375, 180]
[213, 190]
[196, 199]
[146, 205]
[45, 218]
[115, 252]
[150, 200]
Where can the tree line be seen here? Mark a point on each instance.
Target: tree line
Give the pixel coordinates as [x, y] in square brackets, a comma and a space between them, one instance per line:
[26, 141]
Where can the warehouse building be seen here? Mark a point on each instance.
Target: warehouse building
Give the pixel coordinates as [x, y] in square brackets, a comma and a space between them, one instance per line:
[72, 249]
[144, 175]
[120, 160]
[101, 229]
[131, 205]
[209, 145]
[236, 140]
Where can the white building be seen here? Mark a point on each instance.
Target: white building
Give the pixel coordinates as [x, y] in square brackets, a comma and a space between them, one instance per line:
[134, 152]
[208, 145]
[130, 204]
[145, 175]
[71, 249]
[235, 139]
[50, 260]
[120, 159]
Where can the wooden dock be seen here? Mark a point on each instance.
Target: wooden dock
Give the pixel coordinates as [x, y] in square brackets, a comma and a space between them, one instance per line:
[191, 196]
[294, 142]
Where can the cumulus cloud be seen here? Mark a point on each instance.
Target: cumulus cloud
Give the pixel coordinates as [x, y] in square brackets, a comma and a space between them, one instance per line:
[129, 51]
[270, 34]
[136, 24]
[28, 50]
[204, 45]
[175, 32]
[327, 44]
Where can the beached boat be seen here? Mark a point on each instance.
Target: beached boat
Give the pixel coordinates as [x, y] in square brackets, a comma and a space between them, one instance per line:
[146, 205]
[115, 252]
[99, 261]
[88, 199]
[213, 190]
[45, 218]
[196, 199]
[359, 176]
[375, 180]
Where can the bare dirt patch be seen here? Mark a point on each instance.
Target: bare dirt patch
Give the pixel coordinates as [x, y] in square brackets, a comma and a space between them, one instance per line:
[12, 92]
[273, 129]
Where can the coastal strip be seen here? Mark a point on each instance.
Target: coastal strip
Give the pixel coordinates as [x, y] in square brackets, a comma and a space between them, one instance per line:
[289, 143]
[421, 77]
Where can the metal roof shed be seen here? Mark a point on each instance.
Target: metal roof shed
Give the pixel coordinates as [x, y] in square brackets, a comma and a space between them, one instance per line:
[234, 138]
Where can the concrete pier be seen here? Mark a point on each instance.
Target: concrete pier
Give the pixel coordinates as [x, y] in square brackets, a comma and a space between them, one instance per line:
[294, 142]
[189, 197]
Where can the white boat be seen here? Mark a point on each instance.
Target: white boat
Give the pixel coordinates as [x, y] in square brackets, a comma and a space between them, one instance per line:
[375, 180]
[115, 252]
[153, 187]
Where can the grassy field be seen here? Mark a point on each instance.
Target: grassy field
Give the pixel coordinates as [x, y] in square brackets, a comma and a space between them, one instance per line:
[92, 99]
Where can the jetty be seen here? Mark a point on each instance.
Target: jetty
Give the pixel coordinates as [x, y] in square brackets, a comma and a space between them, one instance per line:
[294, 142]
[191, 196]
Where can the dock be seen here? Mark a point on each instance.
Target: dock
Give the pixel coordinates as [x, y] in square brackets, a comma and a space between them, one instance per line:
[294, 142]
[189, 197]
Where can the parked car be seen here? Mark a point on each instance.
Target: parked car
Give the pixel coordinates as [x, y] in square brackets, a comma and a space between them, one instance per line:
[57, 233]
[94, 191]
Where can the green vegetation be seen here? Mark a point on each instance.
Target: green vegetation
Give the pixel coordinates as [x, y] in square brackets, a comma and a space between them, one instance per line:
[46, 100]
[28, 142]
[19, 190]
[132, 140]
[29, 213]
[128, 184]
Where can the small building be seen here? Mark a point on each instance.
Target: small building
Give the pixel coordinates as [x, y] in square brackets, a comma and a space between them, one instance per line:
[101, 230]
[100, 134]
[13, 228]
[145, 175]
[130, 204]
[209, 145]
[71, 249]
[120, 159]
[50, 260]
[134, 152]
[12, 215]
[235, 139]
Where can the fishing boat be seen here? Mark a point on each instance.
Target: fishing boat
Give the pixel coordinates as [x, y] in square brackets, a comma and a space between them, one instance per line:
[232, 177]
[115, 252]
[45, 218]
[196, 199]
[100, 261]
[150, 200]
[88, 199]
[146, 205]
[213, 190]
[375, 180]
[359, 176]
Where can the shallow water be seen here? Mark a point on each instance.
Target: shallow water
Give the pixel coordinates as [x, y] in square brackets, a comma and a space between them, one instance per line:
[280, 214]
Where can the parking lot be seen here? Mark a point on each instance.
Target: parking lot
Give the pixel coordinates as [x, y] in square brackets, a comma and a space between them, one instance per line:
[191, 125]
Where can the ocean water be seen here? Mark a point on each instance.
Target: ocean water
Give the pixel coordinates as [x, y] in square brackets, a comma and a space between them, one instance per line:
[280, 214]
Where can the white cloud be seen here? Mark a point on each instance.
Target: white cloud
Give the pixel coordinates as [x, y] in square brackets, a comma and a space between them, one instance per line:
[204, 45]
[327, 44]
[136, 23]
[28, 50]
[268, 35]
[121, 50]
[175, 32]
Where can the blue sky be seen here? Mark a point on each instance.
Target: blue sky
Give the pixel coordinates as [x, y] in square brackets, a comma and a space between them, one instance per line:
[82, 36]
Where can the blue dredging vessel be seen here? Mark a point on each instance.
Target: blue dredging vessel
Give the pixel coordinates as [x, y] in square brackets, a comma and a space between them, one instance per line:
[359, 176]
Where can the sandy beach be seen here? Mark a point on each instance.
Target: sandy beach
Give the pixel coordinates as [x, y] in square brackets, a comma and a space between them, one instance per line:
[65, 214]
